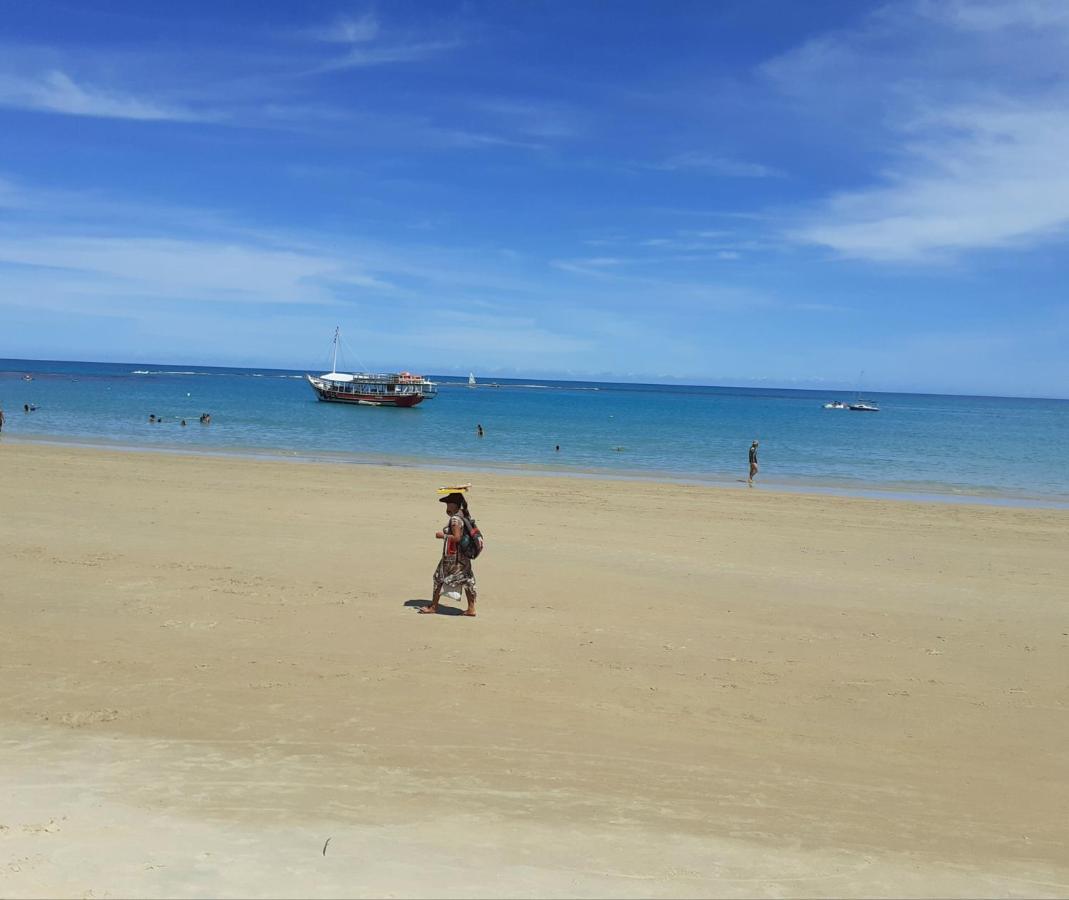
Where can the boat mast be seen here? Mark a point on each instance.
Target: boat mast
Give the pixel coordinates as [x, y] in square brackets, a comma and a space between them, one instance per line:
[334, 365]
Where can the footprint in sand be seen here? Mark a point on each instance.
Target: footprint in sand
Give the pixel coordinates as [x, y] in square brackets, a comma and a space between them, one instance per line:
[83, 718]
[50, 828]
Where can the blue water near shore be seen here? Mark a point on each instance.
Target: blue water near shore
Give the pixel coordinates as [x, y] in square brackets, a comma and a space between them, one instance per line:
[999, 449]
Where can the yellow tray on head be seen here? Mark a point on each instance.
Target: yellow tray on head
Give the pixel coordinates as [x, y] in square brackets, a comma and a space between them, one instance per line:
[455, 489]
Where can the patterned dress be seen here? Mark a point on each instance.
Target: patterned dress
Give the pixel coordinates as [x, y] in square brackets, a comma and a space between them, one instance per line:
[454, 569]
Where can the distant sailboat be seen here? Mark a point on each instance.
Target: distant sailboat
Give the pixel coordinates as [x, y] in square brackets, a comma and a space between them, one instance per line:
[471, 379]
[860, 404]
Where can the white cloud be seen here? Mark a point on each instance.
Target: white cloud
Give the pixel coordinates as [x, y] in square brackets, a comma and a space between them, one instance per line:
[996, 179]
[974, 144]
[56, 92]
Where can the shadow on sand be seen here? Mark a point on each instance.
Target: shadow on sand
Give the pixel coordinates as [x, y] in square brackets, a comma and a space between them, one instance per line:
[443, 610]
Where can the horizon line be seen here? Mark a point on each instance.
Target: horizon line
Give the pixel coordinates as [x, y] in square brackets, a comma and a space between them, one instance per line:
[569, 380]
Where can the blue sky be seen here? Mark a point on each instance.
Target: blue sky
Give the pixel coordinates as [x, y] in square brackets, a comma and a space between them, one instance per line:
[750, 193]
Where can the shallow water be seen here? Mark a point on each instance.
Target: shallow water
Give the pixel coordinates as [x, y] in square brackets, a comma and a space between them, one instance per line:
[919, 445]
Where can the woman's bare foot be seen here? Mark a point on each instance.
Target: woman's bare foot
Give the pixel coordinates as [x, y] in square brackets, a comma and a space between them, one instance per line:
[470, 611]
[424, 610]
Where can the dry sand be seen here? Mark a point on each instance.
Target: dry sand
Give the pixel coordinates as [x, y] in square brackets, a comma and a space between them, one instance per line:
[211, 666]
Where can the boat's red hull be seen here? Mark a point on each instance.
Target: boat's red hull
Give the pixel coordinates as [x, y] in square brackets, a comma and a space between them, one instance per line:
[368, 399]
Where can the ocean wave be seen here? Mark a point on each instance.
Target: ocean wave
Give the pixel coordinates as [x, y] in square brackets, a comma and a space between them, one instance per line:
[209, 374]
[557, 387]
[169, 372]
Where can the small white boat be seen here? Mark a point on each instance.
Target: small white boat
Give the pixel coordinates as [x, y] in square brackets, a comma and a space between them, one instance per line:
[471, 379]
[836, 404]
[860, 404]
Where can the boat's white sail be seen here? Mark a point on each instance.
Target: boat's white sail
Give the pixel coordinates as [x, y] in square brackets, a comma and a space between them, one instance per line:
[471, 379]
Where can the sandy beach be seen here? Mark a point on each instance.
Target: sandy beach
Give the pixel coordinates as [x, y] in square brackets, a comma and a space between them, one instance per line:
[215, 683]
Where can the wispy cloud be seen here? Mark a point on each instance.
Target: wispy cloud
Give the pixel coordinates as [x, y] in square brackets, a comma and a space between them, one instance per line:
[688, 245]
[595, 265]
[57, 92]
[820, 307]
[92, 243]
[995, 15]
[638, 284]
[368, 44]
[987, 178]
[224, 268]
[10, 196]
[974, 137]
[546, 121]
[366, 56]
[719, 166]
[195, 271]
[346, 30]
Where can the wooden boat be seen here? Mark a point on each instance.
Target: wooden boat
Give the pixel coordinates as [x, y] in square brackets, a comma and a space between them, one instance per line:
[400, 389]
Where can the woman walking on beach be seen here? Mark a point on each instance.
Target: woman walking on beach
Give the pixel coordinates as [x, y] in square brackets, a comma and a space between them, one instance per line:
[454, 572]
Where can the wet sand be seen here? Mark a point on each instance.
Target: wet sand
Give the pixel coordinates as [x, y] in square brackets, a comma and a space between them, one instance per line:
[213, 666]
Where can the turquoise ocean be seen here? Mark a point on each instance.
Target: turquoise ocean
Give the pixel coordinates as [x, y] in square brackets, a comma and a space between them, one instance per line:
[986, 449]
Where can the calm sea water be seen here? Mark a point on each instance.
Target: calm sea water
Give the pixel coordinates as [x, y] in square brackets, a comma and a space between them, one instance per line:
[996, 448]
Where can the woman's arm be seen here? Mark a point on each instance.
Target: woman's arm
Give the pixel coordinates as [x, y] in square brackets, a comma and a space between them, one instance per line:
[456, 530]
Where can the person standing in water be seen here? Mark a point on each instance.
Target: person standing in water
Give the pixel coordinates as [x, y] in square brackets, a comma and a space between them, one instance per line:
[753, 462]
[454, 571]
